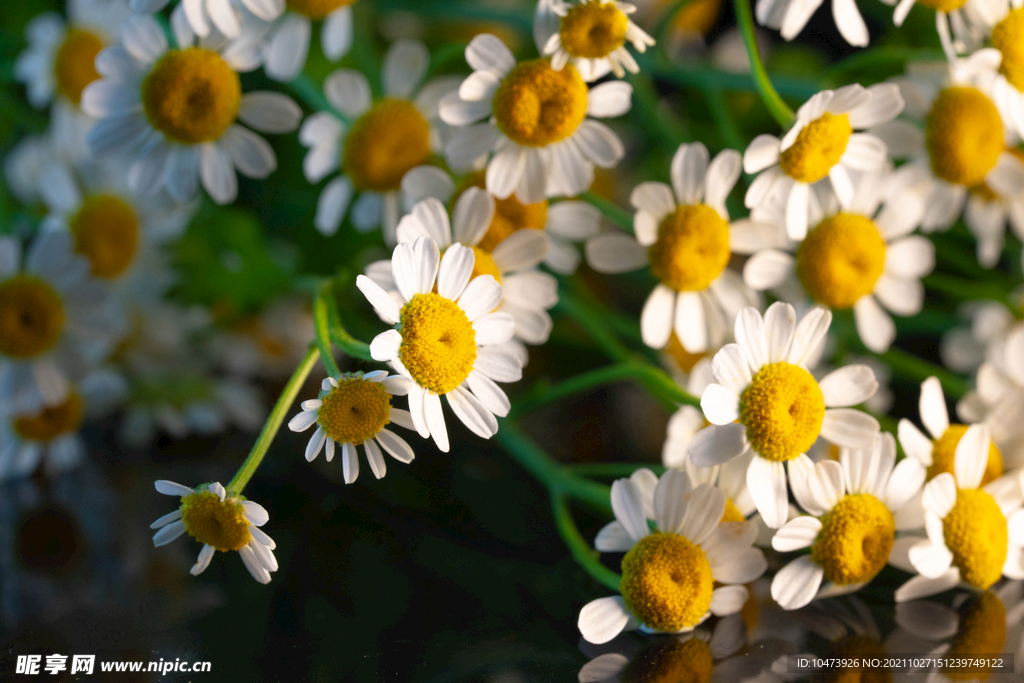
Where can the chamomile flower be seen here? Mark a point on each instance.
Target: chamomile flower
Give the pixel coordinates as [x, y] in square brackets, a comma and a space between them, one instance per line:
[219, 522]
[790, 17]
[173, 111]
[287, 45]
[589, 34]
[354, 410]
[850, 527]
[684, 238]
[536, 126]
[385, 140]
[998, 400]
[822, 143]
[766, 400]
[447, 341]
[224, 16]
[669, 575]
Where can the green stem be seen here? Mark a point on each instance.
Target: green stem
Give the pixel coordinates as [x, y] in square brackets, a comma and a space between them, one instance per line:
[323, 339]
[959, 289]
[871, 59]
[616, 470]
[273, 423]
[578, 546]
[340, 336]
[621, 217]
[701, 77]
[920, 369]
[772, 100]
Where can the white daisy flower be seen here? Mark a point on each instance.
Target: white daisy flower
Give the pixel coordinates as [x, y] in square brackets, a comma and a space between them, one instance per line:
[352, 410]
[821, 143]
[790, 17]
[448, 341]
[173, 111]
[219, 522]
[384, 140]
[685, 239]
[286, 47]
[998, 399]
[766, 400]
[850, 527]
[669, 574]
[589, 34]
[224, 16]
[536, 126]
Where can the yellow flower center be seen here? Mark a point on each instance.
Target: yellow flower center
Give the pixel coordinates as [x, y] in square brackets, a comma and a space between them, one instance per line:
[666, 582]
[53, 421]
[438, 342]
[683, 358]
[732, 513]
[213, 522]
[817, 148]
[485, 265]
[510, 215]
[1008, 38]
[964, 135]
[593, 29]
[384, 144]
[782, 410]
[943, 5]
[690, 661]
[31, 317]
[841, 259]
[945, 449]
[75, 64]
[699, 16]
[976, 534]
[855, 540]
[354, 411]
[852, 651]
[317, 9]
[692, 248]
[982, 631]
[191, 95]
[106, 232]
[536, 106]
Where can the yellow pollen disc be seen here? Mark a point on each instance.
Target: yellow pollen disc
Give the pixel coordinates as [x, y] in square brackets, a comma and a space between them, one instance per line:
[510, 215]
[666, 582]
[536, 106]
[855, 540]
[74, 65]
[220, 524]
[31, 317]
[690, 661]
[982, 631]
[683, 358]
[977, 535]
[191, 95]
[964, 135]
[732, 513]
[593, 29]
[1008, 38]
[692, 248]
[106, 232]
[699, 16]
[943, 5]
[354, 411]
[53, 421]
[853, 650]
[782, 410]
[384, 144]
[438, 342]
[485, 265]
[317, 9]
[817, 148]
[945, 449]
[841, 259]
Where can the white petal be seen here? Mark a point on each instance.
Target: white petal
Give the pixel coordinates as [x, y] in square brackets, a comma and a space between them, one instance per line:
[797, 583]
[612, 538]
[720, 405]
[609, 99]
[170, 488]
[404, 66]
[849, 386]
[435, 420]
[766, 481]
[689, 171]
[252, 563]
[379, 299]
[472, 413]
[386, 345]
[704, 512]
[932, 406]
[931, 560]
[349, 92]
[797, 534]
[874, 326]
[481, 296]
[940, 495]
[395, 445]
[487, 52]
[971, 456]
[627, 503]
[615, 252]
[270, 112]
[599, 143]
[671, 501]
[168, 533]
[203, 561]
[255, 513]
[716, 444]
[455, 270]
[761, 153]
[810, 333]
[603, 619]
[922, 586]
[303, 420]
[728, 600]
[750, 335]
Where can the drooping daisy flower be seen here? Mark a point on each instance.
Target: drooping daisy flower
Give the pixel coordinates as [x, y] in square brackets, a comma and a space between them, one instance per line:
[173, 111]
[821, 143]
[385, 140]
[850, 526]
[669, 574]
[219, 522]
[790, 18]
[224, 16]
[684, 238]
[354, 409]
[857, 257]
[589, 34]
[447, 341]
[536, 126]
[287, 43]
[766, 400]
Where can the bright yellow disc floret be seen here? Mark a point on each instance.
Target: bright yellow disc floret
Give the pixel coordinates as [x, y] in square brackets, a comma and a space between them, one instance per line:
[192, 95]
[666, 582]
[510, 215]
[982, 631]
[841, 259]
[354, 411]
[53, 421]
[31, 317]
[817, 148]
[782, 410]
[976, 534]
[943, 5]
[106, 232]
[209, 520]
[485, 265]
[438, 342]
[1008, 38]
[536, 106]
[964, 135]
[75, 64]
[593, 29]
[690, 661]
[317, 9]
[944, 451]
[384, 144]
[855, 539]
[692, 248]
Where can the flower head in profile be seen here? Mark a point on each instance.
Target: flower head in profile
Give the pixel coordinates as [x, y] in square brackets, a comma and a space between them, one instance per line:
[219, 522]
[354, 410]
[764, 399]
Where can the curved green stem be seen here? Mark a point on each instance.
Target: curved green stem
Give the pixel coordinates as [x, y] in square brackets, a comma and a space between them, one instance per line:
[578, 546]
[772, 100]
[320, 319]
[617, 470]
